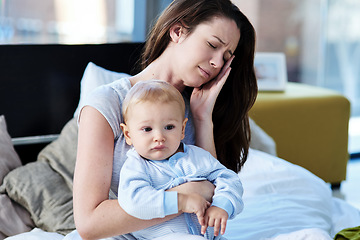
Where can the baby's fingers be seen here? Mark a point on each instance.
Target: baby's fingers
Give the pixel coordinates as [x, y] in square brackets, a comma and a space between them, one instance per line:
[217, 224]
[223, 226]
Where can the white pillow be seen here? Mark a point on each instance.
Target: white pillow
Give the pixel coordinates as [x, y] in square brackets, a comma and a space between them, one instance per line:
[95, 76]
[260, 140]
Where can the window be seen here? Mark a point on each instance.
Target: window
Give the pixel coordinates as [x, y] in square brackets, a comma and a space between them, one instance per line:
[65, 21]
[76, 22]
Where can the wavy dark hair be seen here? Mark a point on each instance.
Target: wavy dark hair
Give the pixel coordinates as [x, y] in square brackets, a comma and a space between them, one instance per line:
[230, 115]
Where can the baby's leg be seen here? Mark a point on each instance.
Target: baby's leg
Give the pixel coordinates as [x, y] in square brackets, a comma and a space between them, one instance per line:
[180, 236]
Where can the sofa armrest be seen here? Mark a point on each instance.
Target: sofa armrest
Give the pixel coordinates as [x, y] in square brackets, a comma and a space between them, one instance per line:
[309, 126]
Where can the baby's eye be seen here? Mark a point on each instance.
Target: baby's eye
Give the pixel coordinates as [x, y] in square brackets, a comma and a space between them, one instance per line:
[169, 127]
[146, 129]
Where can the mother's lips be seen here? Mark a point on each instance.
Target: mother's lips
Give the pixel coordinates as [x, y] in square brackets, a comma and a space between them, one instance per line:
[204, 72]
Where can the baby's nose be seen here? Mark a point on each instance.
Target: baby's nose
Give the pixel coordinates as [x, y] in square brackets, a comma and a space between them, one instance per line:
[159, 136]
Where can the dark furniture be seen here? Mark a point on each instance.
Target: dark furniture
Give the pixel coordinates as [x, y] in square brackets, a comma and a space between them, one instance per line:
[40, 84]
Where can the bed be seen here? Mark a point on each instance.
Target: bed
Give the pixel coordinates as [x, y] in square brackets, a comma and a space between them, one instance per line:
[41, 89]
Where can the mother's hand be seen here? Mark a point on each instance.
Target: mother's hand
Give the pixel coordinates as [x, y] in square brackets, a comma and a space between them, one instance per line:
[203, 99]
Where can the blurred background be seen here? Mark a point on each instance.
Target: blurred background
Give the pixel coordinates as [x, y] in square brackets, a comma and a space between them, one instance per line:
[320, 38]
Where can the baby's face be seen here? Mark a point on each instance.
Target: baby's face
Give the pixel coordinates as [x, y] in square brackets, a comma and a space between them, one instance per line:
[155, 129]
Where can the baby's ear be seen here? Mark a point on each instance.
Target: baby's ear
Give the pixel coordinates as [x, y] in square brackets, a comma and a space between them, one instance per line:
[183, 128]
[126, 132]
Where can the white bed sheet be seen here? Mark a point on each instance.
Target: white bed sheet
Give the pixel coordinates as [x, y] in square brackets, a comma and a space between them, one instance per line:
[282, 201]
[283, 198]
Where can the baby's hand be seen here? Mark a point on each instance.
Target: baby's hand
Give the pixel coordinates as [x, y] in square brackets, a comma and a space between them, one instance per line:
[215, 217]
[193, 203]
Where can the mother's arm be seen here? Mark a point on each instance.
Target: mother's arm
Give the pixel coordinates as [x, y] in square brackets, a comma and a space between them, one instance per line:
[95, 215]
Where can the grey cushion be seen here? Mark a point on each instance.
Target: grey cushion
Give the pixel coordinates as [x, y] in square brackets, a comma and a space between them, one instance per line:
[44, 187]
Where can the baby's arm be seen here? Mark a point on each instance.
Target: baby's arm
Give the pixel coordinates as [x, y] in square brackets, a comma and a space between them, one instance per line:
[136, 193]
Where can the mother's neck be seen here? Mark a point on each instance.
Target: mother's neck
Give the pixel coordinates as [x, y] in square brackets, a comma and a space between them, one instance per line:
[160, 69]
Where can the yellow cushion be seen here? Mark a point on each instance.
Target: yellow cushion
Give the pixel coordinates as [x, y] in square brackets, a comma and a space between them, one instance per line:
[310, 127]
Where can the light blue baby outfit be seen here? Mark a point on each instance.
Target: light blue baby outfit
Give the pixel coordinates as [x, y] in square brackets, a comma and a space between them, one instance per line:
[143, 183]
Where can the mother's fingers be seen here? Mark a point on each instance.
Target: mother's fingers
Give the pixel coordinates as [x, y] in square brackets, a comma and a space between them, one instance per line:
[221, 78]
[228, 62]
[204, 225]
[225, 68]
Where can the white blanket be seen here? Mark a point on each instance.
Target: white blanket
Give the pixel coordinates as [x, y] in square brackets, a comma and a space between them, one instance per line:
[284, 199]
[282, 202]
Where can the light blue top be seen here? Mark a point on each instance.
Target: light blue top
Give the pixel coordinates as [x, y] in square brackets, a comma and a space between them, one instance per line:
[143, 183]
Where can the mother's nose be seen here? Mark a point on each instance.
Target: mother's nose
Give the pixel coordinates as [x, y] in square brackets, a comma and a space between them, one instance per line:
[217, 60]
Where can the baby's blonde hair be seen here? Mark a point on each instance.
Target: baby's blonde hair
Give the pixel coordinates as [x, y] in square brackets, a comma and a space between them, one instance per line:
[152, 91]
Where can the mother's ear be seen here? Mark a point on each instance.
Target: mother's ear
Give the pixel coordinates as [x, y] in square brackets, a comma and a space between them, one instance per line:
[177, 32]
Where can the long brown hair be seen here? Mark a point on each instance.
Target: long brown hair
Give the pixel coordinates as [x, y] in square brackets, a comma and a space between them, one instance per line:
[230, 115]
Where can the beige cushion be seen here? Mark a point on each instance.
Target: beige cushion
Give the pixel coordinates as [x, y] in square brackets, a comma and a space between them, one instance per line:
[8, 157]
[14, 219]
[44, 187]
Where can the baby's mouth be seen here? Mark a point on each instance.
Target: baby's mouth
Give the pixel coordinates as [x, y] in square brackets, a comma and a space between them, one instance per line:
[159, 147]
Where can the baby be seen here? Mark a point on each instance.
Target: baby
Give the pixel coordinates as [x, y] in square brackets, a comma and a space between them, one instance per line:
[154, 124]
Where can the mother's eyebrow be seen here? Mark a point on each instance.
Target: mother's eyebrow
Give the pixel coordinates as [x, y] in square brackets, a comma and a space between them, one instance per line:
[223, 43]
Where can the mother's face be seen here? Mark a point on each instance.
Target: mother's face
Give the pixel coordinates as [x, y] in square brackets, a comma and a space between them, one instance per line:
[201, 54]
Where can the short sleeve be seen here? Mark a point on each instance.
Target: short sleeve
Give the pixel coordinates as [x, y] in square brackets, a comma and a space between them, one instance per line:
[107, 99]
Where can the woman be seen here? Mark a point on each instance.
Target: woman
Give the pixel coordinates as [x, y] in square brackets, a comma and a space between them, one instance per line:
[191, 46]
